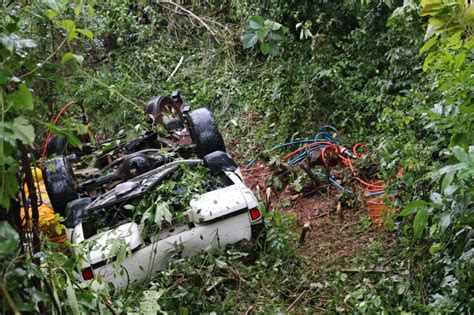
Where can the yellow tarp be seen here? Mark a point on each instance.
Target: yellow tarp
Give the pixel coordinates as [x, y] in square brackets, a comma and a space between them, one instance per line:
[47, 217]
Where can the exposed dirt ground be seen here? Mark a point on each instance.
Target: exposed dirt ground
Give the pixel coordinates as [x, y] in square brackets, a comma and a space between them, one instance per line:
[337, 235]
[307, 206]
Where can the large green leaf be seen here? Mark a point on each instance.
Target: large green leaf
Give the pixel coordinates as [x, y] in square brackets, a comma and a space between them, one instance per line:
[272, 25]
[162, 212]
[273, 48]
[73, 140]
[9, 239]
[79, 59]
[12, 42]
[264, 50]
[221, 264]
[430, 7]
[460, 154]
[430, 43]
[459, 60]
[449, 169]
[276, 35]
[256, 22]
[249, 40]
[66, 57]
[412, 206]
[23, 130]
[22, 98]
[55, 5]
[149, 302]
[444, 221]
[420, 222]
[69, 56]
[9, 167]
[71, 298]
[70, 27]
[86, 33]
[447, 180]
[459, 139]
[261, 34]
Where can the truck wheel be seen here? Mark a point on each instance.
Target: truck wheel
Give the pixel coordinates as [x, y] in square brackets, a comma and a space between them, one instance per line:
[56, 145]
[163, 105]
[218, 162]
[76, 211]
[204, 132]
[59, 182]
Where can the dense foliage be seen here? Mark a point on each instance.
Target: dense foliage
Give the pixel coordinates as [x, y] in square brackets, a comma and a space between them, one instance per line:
[398, 76]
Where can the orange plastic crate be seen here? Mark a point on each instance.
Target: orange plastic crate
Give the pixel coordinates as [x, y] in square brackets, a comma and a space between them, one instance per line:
[377, 207]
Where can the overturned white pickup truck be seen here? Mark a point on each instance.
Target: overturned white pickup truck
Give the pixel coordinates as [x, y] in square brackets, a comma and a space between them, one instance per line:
[121, 253]
[224, 216]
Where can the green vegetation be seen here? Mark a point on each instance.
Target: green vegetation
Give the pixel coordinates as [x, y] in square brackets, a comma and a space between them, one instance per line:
[397, 75]
[170, 198]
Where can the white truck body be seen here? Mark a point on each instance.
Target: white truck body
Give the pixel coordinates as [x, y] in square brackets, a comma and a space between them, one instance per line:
[215, 219]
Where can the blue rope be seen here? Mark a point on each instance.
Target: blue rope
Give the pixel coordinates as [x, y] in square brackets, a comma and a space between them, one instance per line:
[335, 183]
[376, 193]
[329, 127]
[320, 136]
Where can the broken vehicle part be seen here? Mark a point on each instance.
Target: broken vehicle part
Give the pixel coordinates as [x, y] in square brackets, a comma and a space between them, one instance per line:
[223, 216]
[132, 166]
[138, 185]
[161, 106]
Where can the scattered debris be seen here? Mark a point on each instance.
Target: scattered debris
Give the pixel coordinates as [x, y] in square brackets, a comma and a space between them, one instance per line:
[326, 163]
[304, 231]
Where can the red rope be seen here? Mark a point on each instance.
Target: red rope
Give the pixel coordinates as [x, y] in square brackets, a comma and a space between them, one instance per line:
[56, 119]
[253, 169]
[286, 157]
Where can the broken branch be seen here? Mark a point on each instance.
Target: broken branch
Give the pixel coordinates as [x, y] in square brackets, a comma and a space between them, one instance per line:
[190, 13]
[304, 231]
[176, 68]
[297, 300]
[379, 271]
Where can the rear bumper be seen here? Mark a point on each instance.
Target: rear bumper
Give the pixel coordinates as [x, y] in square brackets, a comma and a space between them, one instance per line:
[257, 229]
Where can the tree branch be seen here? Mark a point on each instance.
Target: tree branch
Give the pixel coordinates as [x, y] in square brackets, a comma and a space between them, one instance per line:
[190, 13]
[378, 271]
[8, 297]
[46, 60]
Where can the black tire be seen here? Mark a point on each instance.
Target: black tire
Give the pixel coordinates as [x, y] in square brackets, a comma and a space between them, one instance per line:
[56, 145]
[59, 182]
[76, 210]
[219, 162]
[204, 132]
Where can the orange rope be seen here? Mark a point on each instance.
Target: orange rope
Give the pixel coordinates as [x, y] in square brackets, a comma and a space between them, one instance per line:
[373, 187]
[323, 154]
[370, 185]
[361, 145]
[56, 119]
[286, 157]
[376, 186]
[253, 169]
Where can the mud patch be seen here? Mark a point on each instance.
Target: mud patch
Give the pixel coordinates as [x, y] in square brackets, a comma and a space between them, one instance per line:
[307, 206]
[338, 236]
